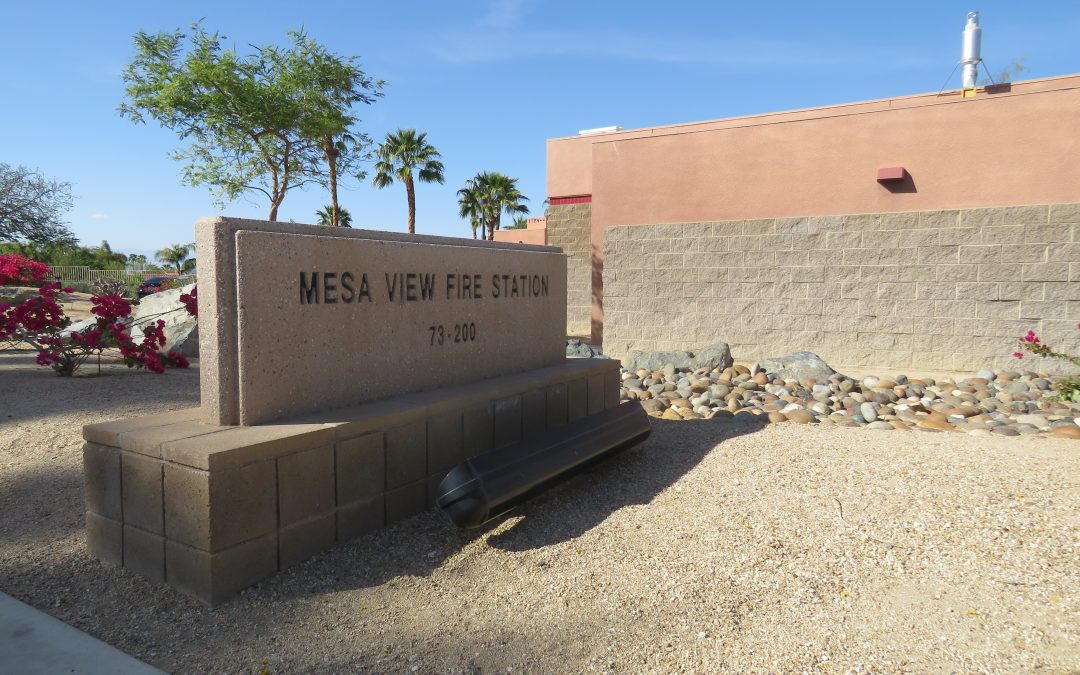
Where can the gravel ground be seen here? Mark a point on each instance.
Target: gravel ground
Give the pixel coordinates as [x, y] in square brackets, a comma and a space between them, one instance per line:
[715, 546]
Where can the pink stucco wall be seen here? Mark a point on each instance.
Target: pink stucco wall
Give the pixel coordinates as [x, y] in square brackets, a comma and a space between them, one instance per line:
[1017, 145]
[529, 236]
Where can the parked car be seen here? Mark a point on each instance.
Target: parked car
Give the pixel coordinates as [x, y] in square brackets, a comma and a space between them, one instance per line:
[151, 286]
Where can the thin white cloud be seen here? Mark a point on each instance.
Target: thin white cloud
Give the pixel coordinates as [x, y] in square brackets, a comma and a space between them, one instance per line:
[479, 47]
[99, 216]
[505, 14]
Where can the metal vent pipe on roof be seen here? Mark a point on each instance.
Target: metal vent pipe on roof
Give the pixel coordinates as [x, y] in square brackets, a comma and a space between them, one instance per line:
[599, 130]
[972, 54]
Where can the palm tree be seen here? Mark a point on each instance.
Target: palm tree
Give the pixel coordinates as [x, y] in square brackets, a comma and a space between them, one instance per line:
[498, 194]
[326, 216]
[178, 255]
[398, 155]
[470, 206]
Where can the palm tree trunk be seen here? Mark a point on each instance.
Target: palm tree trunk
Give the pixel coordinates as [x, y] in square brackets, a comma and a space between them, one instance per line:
[331, 162]
[493, 224]
[412, 203]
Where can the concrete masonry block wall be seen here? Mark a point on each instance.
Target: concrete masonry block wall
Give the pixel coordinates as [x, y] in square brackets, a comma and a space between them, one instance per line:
[570, 228]
[210, 510]
[947, 290]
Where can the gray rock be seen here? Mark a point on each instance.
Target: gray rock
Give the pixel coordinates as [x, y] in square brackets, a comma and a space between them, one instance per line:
[798, 366]
[181, 329]
[711, 357]
[78, 326]
[868, 411]
[1034, 420]
[578, 349]
[987, 375]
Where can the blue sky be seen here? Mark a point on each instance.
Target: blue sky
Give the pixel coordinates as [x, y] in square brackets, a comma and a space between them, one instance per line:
[489, 80]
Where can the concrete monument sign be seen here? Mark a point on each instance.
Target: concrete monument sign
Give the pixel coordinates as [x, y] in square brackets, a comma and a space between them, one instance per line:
[343, 374]
[312, 318]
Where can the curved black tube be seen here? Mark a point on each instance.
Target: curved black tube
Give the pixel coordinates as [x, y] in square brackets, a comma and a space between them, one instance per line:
[487, 486]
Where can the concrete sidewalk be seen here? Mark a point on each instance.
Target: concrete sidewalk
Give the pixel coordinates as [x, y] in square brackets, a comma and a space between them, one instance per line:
[33, 642]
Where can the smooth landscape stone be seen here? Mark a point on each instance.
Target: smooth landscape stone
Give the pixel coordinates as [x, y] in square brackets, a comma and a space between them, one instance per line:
[670, 414]
[987, 375]
[1033, 420]
[868, 412]
[939, 425]
[880, 424]
[778, 417]
[974, 405]
[870, 381]
[801, 416]
[1070, 431]
[653, 406]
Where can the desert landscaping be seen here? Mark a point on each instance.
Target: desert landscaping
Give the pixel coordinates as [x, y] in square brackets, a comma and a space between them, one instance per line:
[717, 339]
[723, 543]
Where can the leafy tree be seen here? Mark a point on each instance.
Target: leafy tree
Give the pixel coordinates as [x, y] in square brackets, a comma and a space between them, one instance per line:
[491, 194]
[252, 123]
[111, 259]
[520, 223]
[31, 206]
[326, 216]
[330, 86]
[66, 253]
[400, 154]
[179, 256]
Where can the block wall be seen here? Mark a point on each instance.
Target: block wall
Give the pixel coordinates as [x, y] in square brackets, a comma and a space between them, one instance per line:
[211, 510]
[569, 226]
[930, 290]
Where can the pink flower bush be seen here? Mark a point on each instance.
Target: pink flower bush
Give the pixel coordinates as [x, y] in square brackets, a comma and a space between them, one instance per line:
[39, 321]
[17, 269]
[1068, 390]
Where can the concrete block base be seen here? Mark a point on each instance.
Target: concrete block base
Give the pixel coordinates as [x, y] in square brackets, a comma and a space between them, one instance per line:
[211, 510]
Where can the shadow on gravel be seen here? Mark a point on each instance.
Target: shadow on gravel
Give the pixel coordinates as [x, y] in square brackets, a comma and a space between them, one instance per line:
[39, 505]
[632, 477]
[32, 393]
[419, 545]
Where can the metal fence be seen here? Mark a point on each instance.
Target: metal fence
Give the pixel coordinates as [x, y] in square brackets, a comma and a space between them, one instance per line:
[82, 274]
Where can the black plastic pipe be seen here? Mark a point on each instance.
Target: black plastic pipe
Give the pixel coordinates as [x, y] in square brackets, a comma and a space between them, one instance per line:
[489, 485]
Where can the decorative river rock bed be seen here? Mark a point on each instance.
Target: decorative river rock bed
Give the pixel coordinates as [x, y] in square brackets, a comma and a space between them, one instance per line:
[1006, 403]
